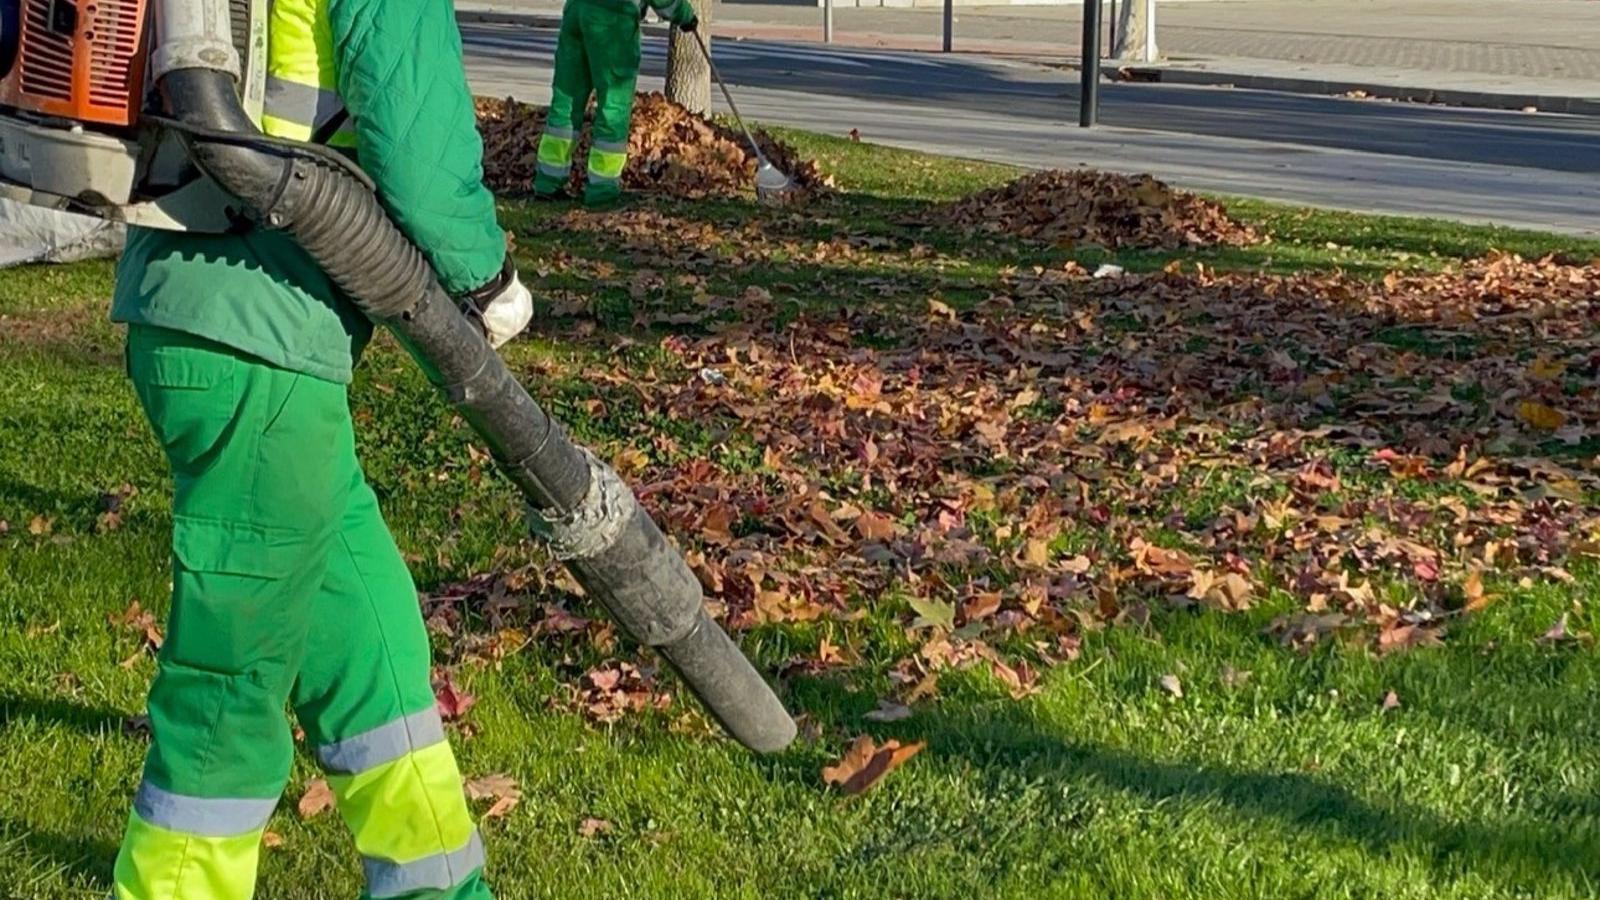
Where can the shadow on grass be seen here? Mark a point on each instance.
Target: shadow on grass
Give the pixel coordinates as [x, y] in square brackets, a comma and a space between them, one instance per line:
[79, 716]
[1004, 748]
[80, 858]
[1004, 745]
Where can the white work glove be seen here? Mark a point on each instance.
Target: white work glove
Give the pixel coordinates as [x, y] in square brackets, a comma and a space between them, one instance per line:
[503, 305]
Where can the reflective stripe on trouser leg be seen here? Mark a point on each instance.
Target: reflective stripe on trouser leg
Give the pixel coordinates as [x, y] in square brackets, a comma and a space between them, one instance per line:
[554, 158]
[181, 846]
[607, 159]
[399, 791]
[158, 862]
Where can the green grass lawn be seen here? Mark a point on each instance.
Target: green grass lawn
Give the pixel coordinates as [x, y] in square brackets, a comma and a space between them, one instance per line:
[1277, 773]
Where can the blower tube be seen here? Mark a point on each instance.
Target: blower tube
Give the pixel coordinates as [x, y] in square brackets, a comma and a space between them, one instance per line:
[577, 503]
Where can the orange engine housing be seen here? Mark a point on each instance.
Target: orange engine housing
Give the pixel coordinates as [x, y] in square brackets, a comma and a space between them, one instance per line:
[79, 59]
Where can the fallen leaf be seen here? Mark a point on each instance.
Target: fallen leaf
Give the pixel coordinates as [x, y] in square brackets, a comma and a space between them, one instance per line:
[1540, 416]
[271, 840]
[1472, 591]
[317, 798]
[40, 525]
[501, 807]
[873, 526]
[888, 711]
[592, 827]
[866, 763]
[981, 606]
[500, 788]
[1036, 552]
[933, 613]
[1172, 685]
[1397, 636]
[1557, 632]
[453, 702]
[1391, 700]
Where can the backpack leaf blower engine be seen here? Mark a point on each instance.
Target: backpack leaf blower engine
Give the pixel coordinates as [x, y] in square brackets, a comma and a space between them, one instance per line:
[142, 111]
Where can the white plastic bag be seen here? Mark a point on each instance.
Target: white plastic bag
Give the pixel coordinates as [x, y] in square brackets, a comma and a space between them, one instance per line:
[32, 234]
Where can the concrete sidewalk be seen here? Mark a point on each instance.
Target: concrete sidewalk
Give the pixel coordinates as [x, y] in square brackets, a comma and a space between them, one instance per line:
[1495, 53]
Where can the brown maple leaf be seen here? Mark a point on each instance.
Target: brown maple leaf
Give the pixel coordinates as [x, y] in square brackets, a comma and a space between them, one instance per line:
[865, 764]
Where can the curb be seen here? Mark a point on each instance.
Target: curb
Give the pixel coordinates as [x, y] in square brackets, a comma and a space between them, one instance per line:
[532, 20]
[1577, 106]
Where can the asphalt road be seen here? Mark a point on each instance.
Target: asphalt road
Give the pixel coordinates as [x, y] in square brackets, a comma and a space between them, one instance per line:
[1528, 170]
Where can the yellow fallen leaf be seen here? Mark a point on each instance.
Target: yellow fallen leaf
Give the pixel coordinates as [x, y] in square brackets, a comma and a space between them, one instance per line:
[1545, 369]
[1540, 416]
[1036, 552]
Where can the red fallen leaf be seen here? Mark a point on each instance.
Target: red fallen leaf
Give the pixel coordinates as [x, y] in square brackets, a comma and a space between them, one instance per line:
[592, 827]
[453, 702]
[318, 798]
[865, 764]
[558, 621]
[1425, 569]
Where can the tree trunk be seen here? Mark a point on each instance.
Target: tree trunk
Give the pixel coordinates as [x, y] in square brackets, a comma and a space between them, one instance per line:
[688, 74]
[1135, 32]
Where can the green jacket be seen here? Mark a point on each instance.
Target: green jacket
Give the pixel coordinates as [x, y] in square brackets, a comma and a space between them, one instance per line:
[401, 76]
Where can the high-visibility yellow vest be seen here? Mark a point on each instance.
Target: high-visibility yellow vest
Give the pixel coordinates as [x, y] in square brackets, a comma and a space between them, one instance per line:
[302, 96]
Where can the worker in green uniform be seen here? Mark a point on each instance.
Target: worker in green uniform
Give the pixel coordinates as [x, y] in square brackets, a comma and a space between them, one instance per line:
[597, 52]
[287, 587]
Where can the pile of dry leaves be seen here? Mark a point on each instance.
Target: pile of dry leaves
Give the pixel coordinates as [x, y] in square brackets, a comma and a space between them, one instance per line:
[1071, 453]
[1104, 209]
[670, 151]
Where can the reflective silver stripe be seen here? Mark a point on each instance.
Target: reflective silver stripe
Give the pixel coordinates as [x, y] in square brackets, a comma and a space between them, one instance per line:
[202, 816]
[299, 103]
[553, 171]
[611, 146]
[602, 179]
[386, 743]
[565, 134]
[440, 871]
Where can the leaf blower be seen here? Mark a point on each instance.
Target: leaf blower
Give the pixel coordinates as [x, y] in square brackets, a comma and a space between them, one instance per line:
[140, 111]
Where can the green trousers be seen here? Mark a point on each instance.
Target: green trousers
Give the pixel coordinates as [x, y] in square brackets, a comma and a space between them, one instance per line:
[597, 51]
[287, 588]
